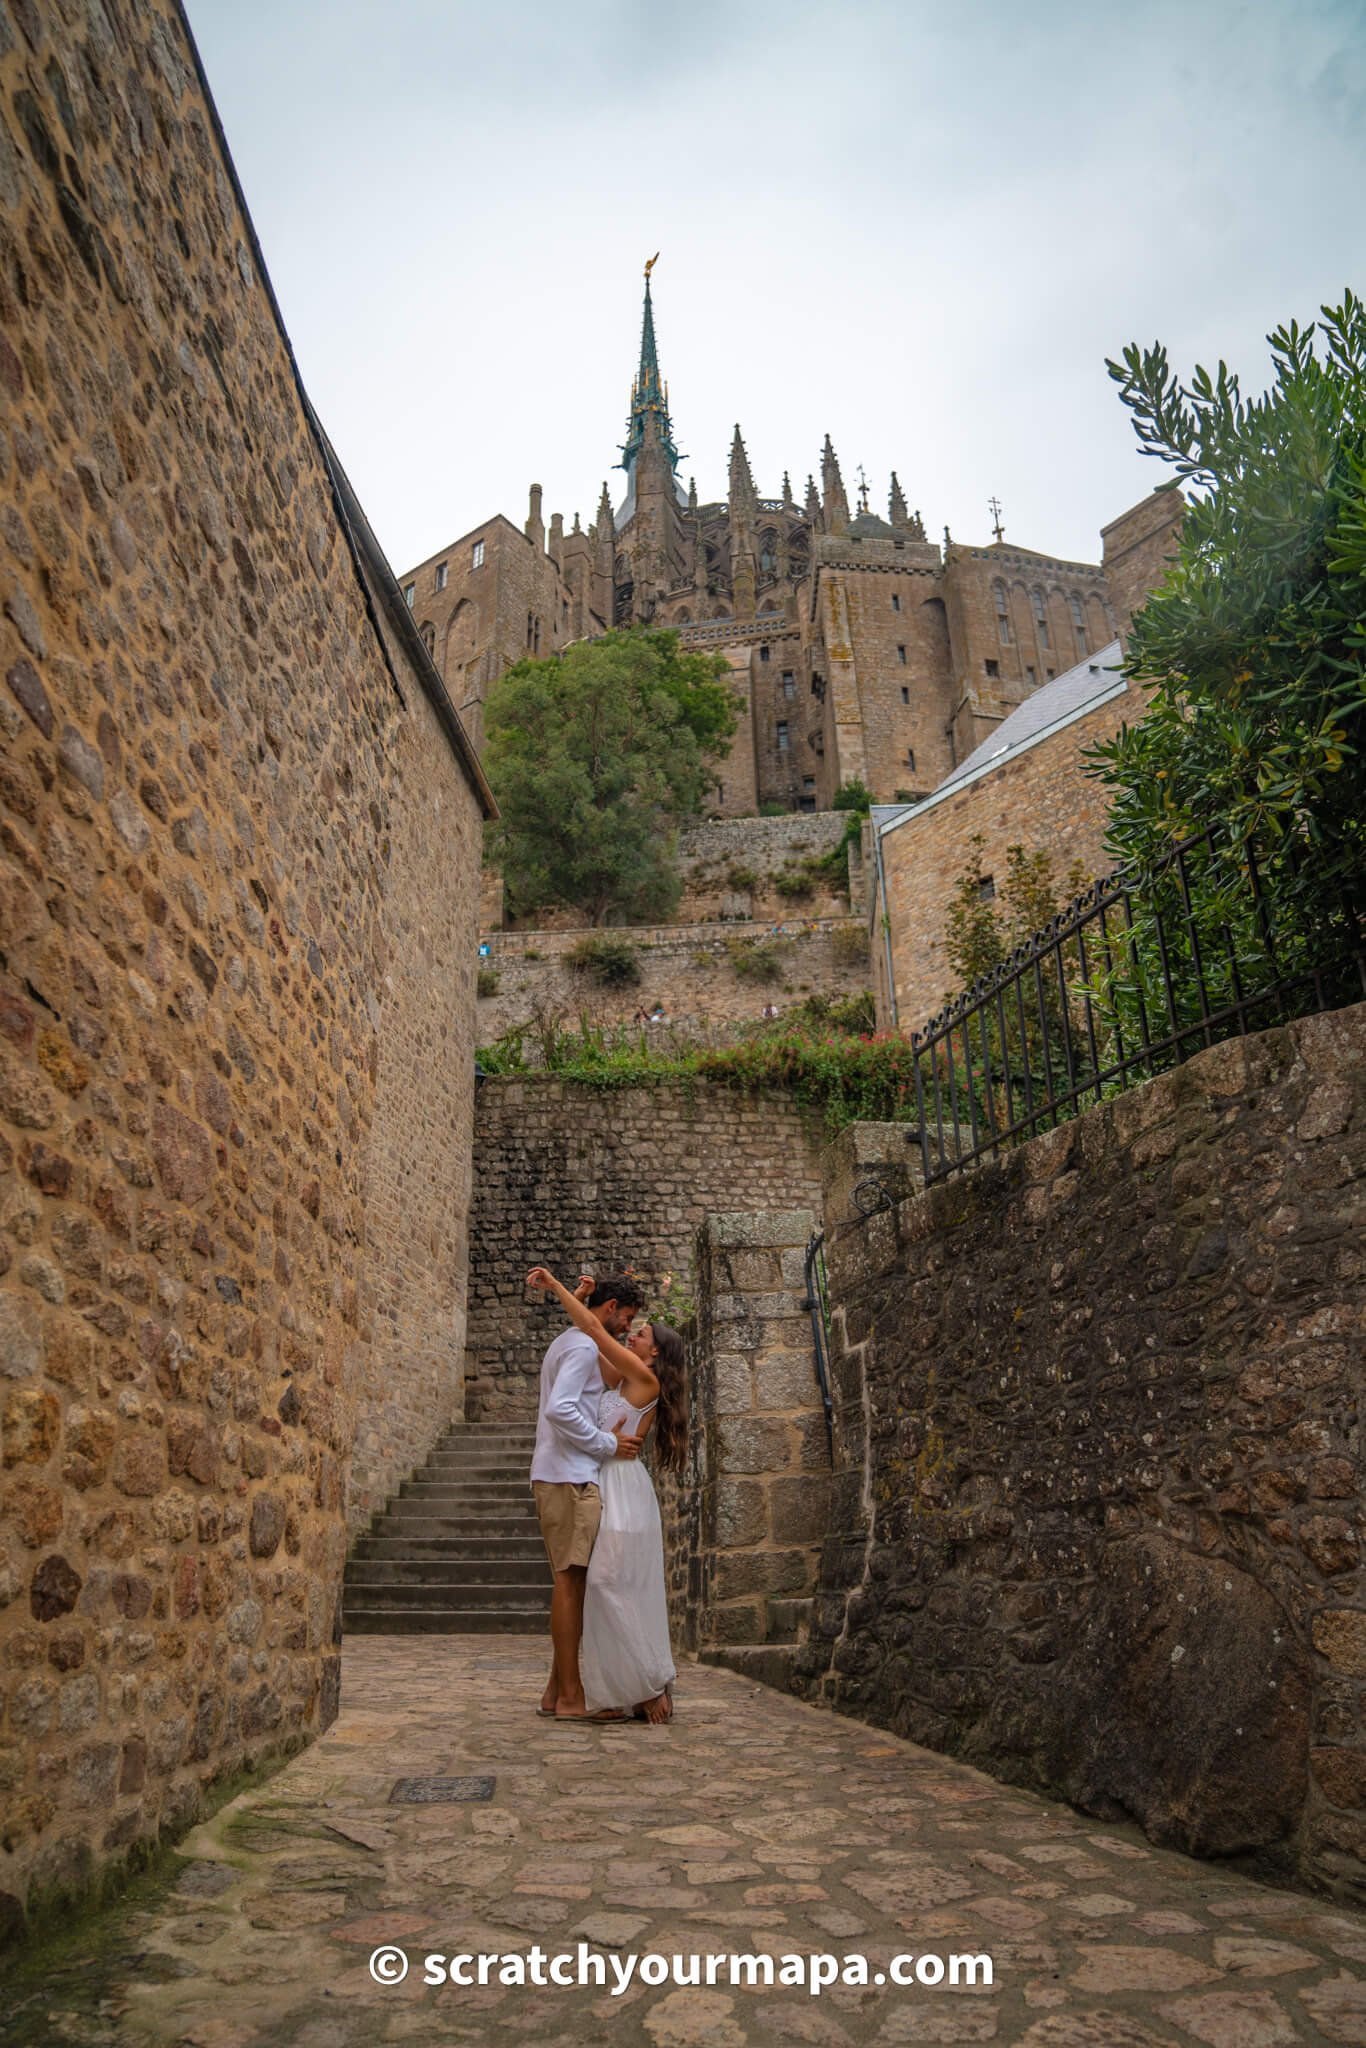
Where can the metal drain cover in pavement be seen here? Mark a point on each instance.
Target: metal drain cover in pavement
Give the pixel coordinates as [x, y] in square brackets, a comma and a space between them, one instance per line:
[440, 1791]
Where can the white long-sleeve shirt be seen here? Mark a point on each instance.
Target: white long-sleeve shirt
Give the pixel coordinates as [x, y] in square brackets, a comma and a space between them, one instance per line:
[569, 1444]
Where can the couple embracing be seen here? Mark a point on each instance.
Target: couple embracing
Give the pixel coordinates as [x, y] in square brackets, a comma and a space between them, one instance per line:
[603, 1391]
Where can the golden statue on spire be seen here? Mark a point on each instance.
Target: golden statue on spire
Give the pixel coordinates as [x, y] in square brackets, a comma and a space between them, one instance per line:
[650, 265]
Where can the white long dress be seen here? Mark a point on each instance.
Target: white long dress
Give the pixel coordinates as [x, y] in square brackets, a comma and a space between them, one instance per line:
[624, 1657]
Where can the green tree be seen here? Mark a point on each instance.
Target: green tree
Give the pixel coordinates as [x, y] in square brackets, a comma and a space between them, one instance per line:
[1257, 637]
[596, 757]
[984, 926]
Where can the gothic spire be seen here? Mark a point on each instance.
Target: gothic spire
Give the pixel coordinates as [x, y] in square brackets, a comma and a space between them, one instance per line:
[836, 504]
[813, 500]
[787, 488]
[649, 394]
[896, 506]
[742, 493]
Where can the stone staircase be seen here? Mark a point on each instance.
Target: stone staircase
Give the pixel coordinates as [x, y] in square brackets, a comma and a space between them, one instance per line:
[458, 1550]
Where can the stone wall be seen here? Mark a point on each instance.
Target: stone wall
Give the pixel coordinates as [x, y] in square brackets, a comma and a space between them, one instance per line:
[584, 1179]
[235, 1013]
[1097, 1515]
[1138, 548]
[729, 868]
[696, 971]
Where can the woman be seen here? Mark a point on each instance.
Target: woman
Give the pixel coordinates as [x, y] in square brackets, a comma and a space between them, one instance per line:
[624, 1656]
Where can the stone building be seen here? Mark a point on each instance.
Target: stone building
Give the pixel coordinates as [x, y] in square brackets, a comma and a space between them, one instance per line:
[859, 647]
[236, 1016]
[1025, 785]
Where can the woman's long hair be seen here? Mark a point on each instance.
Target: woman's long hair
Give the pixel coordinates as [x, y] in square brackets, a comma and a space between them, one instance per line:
[671, 1417]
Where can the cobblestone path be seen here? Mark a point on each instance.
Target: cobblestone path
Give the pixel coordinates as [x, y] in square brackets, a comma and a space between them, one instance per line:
[754, 1824]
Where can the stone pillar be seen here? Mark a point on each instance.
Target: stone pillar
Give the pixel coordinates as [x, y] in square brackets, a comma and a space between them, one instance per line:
[764, 1480]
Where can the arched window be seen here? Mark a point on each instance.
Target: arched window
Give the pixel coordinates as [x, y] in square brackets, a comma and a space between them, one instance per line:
[1040, 615]
[768, 552]
[1002, 612]
[428, 633]
[1078, 622]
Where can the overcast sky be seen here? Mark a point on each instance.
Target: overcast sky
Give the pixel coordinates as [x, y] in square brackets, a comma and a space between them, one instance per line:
[920, 227]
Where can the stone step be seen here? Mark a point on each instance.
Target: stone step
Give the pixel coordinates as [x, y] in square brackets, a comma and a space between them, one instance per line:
[442, 1621]
[425, 1524]
[391, 1543]
[448, 1571]
[491, 1497]
[467, 1461]
[362, 1590]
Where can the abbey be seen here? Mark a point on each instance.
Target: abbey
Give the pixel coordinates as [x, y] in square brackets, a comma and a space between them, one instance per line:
[860, 648]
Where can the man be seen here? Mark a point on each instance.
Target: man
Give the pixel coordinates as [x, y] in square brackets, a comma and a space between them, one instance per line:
[570, 1447]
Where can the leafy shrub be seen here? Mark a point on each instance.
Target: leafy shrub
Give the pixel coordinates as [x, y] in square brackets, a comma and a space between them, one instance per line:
[772, 810]
[611, 963]
[849, 945]
[740, 877]
[486, 981]
[1256, 635]
[757, 959]
[852, 796]
[794, 883]
[846, 1078]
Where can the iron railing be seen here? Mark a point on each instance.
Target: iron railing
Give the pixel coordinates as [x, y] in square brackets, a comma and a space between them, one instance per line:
[817, 1304]
[1138, 973]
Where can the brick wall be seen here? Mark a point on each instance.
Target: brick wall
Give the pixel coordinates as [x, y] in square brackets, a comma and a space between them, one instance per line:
[1103, 1404]
[227, 981]
[583, 1179]
[1041, 798]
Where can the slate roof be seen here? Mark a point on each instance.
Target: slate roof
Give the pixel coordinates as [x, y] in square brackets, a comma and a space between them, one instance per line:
[1057, 703]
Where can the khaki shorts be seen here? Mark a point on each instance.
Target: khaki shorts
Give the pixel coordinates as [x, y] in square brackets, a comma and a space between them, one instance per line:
[569, 1520]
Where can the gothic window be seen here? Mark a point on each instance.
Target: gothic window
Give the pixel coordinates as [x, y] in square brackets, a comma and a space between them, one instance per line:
[901, 656]
[1040, 615]
[1078, 623]
[1002, 613]
[789, 683]
[910, 757]
[782, 735]
[477, 558]
[442, 569]
[768, 553]
[428, 632]
[409, 593]
[763, 654]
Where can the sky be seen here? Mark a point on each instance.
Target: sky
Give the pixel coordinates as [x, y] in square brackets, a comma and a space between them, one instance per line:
[921, 228]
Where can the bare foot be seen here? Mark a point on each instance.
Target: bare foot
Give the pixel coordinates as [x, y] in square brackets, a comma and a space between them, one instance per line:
[550, 1699]
[658, 1710]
